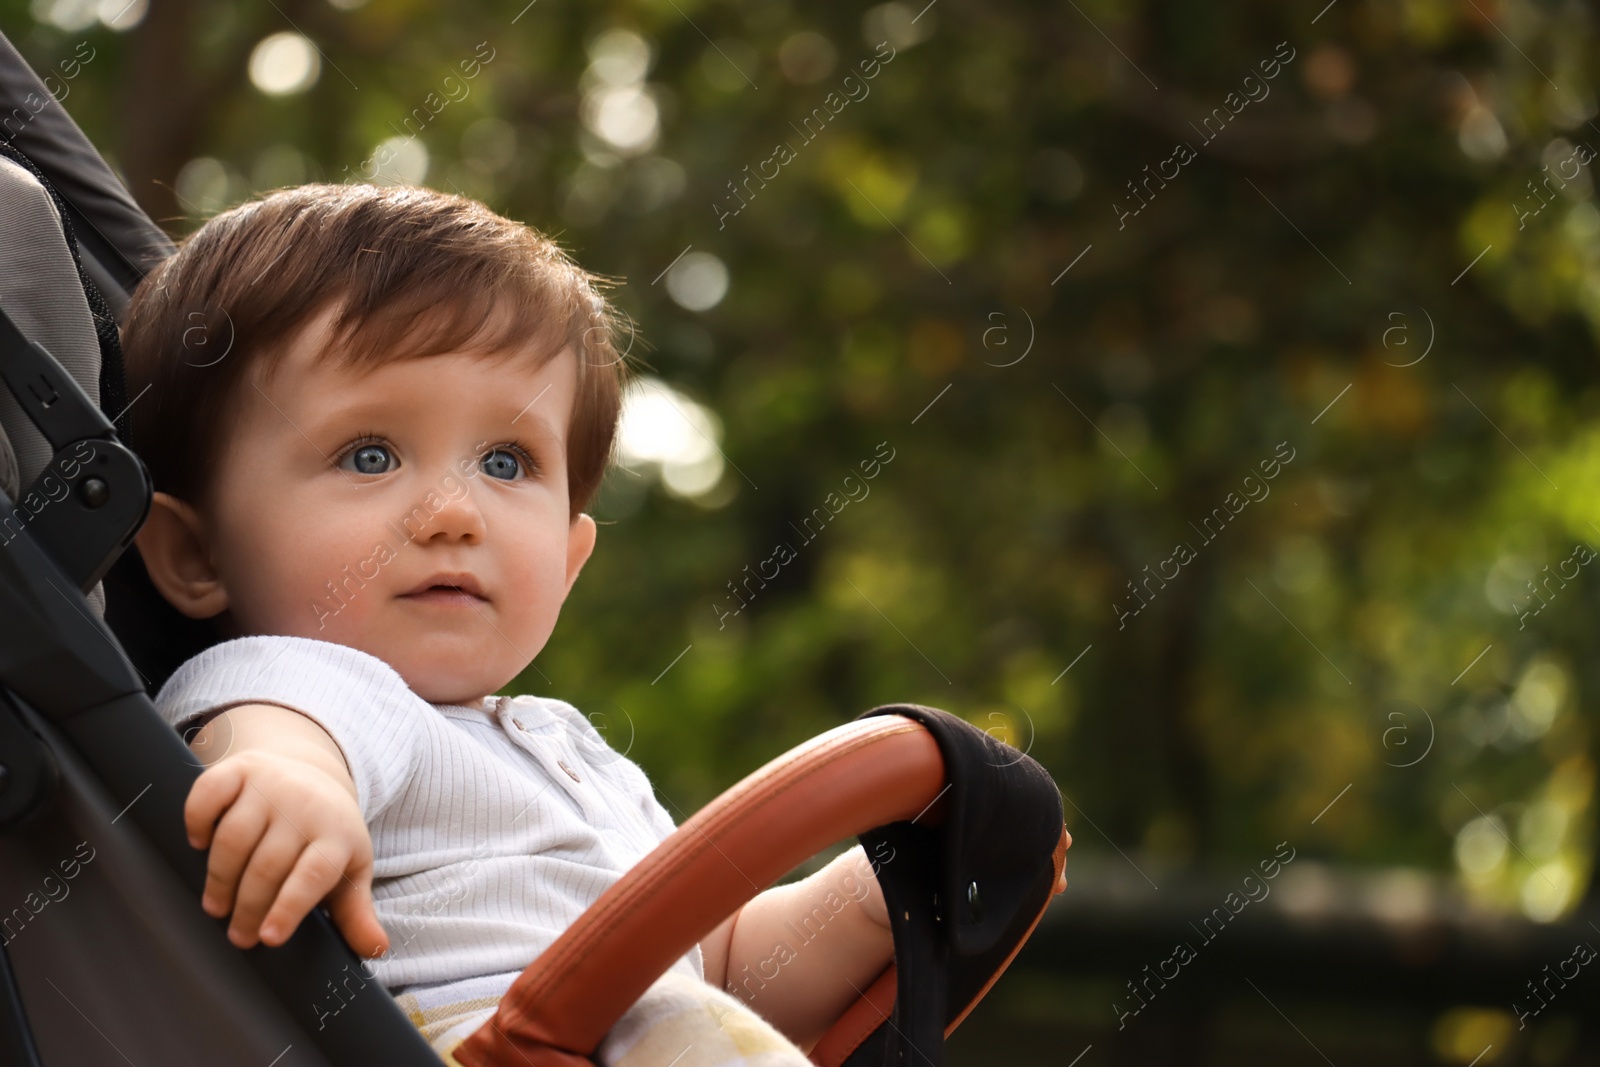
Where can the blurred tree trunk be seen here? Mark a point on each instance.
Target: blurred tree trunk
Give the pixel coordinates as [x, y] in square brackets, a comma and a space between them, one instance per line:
[1177, 692]
[1154, 741]
[162, 114]
[172, 96]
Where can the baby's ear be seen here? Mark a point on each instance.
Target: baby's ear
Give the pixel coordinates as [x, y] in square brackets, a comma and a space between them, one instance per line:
[580, 543]
[172, 544]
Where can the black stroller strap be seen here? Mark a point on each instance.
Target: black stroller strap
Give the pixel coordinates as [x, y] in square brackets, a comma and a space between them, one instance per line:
[964, 894]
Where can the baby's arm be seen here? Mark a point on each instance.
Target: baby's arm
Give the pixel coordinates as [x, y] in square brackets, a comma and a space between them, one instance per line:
[802, 986]
[290, 830]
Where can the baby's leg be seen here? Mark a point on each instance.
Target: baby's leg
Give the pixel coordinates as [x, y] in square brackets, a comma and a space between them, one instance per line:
[679, 1022]
[683, 1022]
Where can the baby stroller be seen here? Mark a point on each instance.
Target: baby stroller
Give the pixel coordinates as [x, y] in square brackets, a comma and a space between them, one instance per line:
[105, 954]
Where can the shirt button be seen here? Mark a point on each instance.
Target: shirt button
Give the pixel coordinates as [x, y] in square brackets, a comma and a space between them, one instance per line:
[570, 772]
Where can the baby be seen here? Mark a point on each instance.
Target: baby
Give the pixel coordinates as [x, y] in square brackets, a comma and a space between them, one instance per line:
[375, 416]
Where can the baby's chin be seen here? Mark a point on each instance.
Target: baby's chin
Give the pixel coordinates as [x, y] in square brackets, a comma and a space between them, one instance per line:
[445, 688]
[441, 668]
[458, 680]
[437, 672]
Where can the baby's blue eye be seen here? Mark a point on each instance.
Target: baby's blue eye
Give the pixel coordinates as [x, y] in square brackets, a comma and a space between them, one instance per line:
[369, 459]
[501, 464]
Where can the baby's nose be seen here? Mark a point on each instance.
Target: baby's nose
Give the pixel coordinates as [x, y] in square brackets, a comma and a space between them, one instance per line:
[447, 515]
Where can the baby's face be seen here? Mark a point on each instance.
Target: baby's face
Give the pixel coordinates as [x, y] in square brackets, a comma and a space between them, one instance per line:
[347, 503]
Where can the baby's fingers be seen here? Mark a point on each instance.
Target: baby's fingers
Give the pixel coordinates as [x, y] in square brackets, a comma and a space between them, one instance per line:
[314, 874]
[237, 838]
[353, 912]
[269, 866]
[212, 794]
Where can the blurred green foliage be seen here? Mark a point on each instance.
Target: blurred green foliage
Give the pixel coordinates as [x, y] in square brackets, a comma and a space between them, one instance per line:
[1376, 203]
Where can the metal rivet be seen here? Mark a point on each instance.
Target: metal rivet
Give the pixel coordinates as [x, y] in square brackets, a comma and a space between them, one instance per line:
[974, 902]
[93, 492]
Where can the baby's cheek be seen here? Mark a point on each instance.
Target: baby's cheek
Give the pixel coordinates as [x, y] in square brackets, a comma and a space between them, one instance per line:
[534, 595]
[320, 594]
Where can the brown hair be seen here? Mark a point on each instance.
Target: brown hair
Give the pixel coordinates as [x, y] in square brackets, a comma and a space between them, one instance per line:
[418, 273]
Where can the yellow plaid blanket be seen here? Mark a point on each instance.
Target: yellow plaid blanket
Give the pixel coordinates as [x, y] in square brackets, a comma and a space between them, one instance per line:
[679, 1022]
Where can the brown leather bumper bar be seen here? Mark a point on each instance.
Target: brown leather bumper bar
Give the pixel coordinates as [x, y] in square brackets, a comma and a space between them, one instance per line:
[862, 775]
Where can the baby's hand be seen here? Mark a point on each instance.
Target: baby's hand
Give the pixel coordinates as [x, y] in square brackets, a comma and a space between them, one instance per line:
[289, 836]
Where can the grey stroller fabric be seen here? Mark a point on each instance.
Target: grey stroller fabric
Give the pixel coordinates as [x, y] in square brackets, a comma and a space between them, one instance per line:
[39, 290]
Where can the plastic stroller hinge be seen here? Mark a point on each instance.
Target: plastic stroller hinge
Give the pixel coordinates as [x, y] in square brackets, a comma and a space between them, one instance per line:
[93, 496]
